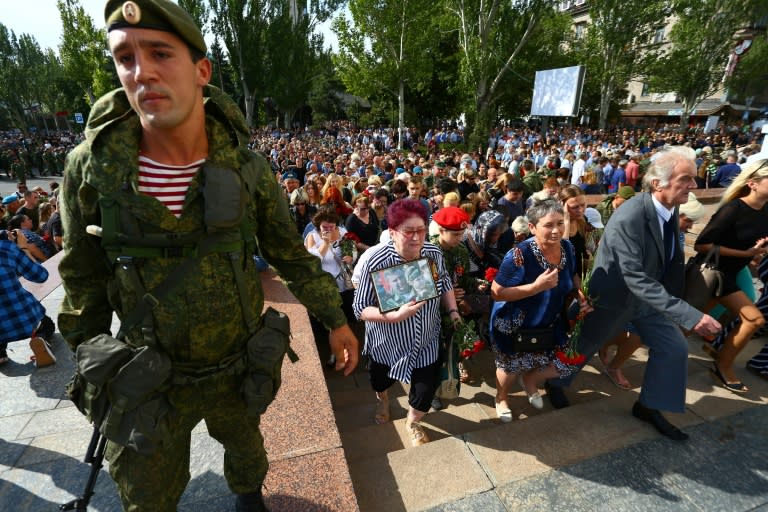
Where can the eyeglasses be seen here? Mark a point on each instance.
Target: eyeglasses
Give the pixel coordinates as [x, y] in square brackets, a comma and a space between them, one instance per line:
[408, 233]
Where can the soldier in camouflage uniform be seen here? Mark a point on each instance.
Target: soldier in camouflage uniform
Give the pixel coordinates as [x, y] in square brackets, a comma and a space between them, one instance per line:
[18, 171]
[60, 156]
[49, 162]
[5, 161]
[167, 111]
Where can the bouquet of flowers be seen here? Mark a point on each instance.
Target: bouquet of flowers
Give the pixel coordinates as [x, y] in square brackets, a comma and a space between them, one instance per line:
[466, 339]
[348, 244]
[570, 355]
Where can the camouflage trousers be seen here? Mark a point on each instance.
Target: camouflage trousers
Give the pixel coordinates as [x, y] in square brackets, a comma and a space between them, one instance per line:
[156, 482]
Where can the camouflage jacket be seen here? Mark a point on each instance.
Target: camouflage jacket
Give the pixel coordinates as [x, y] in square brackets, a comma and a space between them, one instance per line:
[200, 322]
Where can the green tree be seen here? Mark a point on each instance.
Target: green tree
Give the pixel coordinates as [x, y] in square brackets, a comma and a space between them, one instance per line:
[224, 76]
[386, 48]
[751, 73]
[614, 48]
[491, 35]
[51, 94]
[29, 73]
[12, 87]
[290, 61]
[83, 51]
[323, 97]
[241, 25]
[199, 11]
[693, 65]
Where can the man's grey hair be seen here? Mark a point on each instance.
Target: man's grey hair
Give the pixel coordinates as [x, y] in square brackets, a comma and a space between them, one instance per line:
[664, 162]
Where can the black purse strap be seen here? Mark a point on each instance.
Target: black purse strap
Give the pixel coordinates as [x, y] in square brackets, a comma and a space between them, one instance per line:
[713, 256]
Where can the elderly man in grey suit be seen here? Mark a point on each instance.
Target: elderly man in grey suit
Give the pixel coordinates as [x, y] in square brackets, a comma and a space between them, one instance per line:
[638, 277]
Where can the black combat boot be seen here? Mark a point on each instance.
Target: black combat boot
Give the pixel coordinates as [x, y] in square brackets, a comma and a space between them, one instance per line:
[250, 502]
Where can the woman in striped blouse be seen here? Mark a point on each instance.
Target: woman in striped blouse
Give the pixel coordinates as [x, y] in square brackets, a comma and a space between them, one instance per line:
[402, 345]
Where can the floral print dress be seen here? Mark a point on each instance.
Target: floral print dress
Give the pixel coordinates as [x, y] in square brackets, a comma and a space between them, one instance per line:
[522, 265]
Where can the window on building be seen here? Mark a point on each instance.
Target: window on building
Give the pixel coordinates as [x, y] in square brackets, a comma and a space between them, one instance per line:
[580, 30]
[658, 35]
[646, 90]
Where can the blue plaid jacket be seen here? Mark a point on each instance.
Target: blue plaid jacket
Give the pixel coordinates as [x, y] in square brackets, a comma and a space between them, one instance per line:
[20, 311]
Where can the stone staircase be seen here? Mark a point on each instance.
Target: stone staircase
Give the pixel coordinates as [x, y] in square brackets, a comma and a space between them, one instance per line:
[471, 452]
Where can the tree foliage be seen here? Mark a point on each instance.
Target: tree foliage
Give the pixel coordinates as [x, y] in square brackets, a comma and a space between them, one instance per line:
[693, 65]
[491, 36]
[199, 11]
[386, 47]
[83, 51]
[240, 24]
[615, 47]
[751, 74]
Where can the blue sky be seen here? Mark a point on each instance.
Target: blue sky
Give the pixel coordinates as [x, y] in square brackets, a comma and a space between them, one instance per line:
[40, 18]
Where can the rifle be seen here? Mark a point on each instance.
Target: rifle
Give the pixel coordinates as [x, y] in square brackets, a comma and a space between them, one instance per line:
[94, 456]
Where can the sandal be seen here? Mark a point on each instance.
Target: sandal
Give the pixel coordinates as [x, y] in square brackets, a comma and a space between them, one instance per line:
[736, 387]
[416, 433]
[463, 374]
[617, 377]
[381, 414]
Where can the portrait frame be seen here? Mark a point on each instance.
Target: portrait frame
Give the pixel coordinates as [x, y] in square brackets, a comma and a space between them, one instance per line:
[403, 283]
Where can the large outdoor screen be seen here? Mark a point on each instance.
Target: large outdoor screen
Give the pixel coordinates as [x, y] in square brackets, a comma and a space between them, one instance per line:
[557, 92]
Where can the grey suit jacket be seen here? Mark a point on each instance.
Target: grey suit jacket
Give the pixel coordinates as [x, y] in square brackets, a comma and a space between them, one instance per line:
[629, 267]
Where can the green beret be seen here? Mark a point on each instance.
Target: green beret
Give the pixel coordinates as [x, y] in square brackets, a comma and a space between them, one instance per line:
[156, 15]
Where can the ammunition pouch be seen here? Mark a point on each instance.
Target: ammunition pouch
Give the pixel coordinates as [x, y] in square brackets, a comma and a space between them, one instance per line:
[266, 350]
[120, 389]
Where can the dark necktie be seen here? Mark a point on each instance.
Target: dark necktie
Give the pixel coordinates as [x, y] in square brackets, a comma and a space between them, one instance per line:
[669, 239]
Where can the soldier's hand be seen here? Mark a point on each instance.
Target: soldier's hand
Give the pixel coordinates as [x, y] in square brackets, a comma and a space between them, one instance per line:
[345, 347]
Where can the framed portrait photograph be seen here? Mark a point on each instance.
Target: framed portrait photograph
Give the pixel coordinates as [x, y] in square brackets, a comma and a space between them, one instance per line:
[403, 283]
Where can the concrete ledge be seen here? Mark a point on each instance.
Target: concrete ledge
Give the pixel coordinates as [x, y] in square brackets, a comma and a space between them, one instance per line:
[308, 471]
[42, 290]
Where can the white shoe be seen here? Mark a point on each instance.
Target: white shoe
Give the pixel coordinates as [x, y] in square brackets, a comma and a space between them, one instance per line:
[535, 399]
[504, 413]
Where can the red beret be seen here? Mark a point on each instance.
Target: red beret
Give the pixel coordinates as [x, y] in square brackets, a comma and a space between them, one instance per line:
[452, 218]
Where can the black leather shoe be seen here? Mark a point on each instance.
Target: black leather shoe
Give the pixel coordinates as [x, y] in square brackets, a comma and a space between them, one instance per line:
[654, 417]
[556, 396]
[251, 502]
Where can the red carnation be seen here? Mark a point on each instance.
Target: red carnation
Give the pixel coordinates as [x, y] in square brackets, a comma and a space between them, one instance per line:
[490, 274]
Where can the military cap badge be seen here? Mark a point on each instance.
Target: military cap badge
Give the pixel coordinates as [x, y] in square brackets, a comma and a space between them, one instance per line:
[131, 12]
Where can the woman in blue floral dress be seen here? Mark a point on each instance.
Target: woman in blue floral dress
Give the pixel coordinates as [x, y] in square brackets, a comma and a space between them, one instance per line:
[530, 291]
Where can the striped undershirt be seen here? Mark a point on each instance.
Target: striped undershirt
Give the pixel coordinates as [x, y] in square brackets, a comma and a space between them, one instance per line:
[167, 183]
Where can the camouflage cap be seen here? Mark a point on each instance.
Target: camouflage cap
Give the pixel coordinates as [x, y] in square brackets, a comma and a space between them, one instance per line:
[162, 15]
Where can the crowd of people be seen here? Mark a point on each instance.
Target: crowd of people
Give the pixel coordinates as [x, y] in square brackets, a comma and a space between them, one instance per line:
[414, 244]
[35, 154]
[520, 210]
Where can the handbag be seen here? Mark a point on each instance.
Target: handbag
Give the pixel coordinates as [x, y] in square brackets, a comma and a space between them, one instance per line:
[703, 279]
[448, 388]
[540, 339]
[345, 274]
